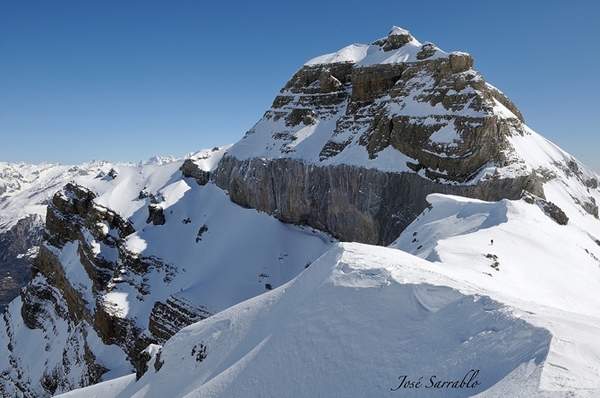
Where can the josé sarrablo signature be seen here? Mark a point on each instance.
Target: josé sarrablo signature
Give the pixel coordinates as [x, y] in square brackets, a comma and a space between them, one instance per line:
[468, 381]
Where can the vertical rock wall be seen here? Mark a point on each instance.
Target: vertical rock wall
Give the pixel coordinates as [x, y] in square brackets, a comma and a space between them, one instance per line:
[351, 203]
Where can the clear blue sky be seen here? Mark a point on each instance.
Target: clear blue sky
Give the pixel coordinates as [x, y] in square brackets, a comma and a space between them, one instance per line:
[126, 80]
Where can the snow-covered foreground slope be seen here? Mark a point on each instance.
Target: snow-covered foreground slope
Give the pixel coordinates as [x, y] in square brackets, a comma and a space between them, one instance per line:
[513, 250]
[362, 317]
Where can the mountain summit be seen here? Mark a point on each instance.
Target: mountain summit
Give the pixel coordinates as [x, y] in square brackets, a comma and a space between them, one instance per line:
[394, 105]
[363, 135]
[259, 269]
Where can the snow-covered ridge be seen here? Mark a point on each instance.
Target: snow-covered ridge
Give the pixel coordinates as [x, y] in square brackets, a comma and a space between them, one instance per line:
[373, 54]
[207, 159]
[352, 53]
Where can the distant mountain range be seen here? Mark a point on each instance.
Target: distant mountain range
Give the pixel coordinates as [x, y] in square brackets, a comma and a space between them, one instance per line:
[25, 192]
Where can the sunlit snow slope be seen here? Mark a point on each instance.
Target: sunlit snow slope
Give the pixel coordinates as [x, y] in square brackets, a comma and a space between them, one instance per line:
[362, 316]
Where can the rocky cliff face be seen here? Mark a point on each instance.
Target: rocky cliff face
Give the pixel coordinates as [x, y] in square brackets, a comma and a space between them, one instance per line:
[57, 296]
[357, 139]
[352, 203]
[18, 247]
[109, 281]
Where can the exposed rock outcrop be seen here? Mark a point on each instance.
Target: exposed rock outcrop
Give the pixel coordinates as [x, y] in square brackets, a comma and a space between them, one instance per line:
[351, 203]
[191, 169]
[156, 215]
[422, 120]
[169, 317]
[18, 247]
[57, 297]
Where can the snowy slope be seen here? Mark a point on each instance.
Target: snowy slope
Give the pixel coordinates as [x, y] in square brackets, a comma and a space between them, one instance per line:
[361, 316]
[208, 255]
[219, 253]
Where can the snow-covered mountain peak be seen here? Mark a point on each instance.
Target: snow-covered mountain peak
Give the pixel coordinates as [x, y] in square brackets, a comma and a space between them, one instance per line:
[157, 160]
[408, 119]
[351, 106]
[396, 48]
[398, 31]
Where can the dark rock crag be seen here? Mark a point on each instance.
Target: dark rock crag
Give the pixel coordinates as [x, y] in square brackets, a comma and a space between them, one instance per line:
[18, 248]
[53, 299]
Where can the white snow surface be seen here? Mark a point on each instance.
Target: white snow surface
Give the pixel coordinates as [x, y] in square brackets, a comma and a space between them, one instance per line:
[373, 54]
[430, 307]
[26, 189]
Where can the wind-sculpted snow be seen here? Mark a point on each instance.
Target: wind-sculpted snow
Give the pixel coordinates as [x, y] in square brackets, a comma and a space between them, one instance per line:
[519, 254]
[358, 322]
[366, 320]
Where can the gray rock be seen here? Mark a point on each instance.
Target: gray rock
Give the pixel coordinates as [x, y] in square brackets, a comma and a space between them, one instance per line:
[174, 314]
[156, 215]
[18, 247]
[351, 203]
[189, 169]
